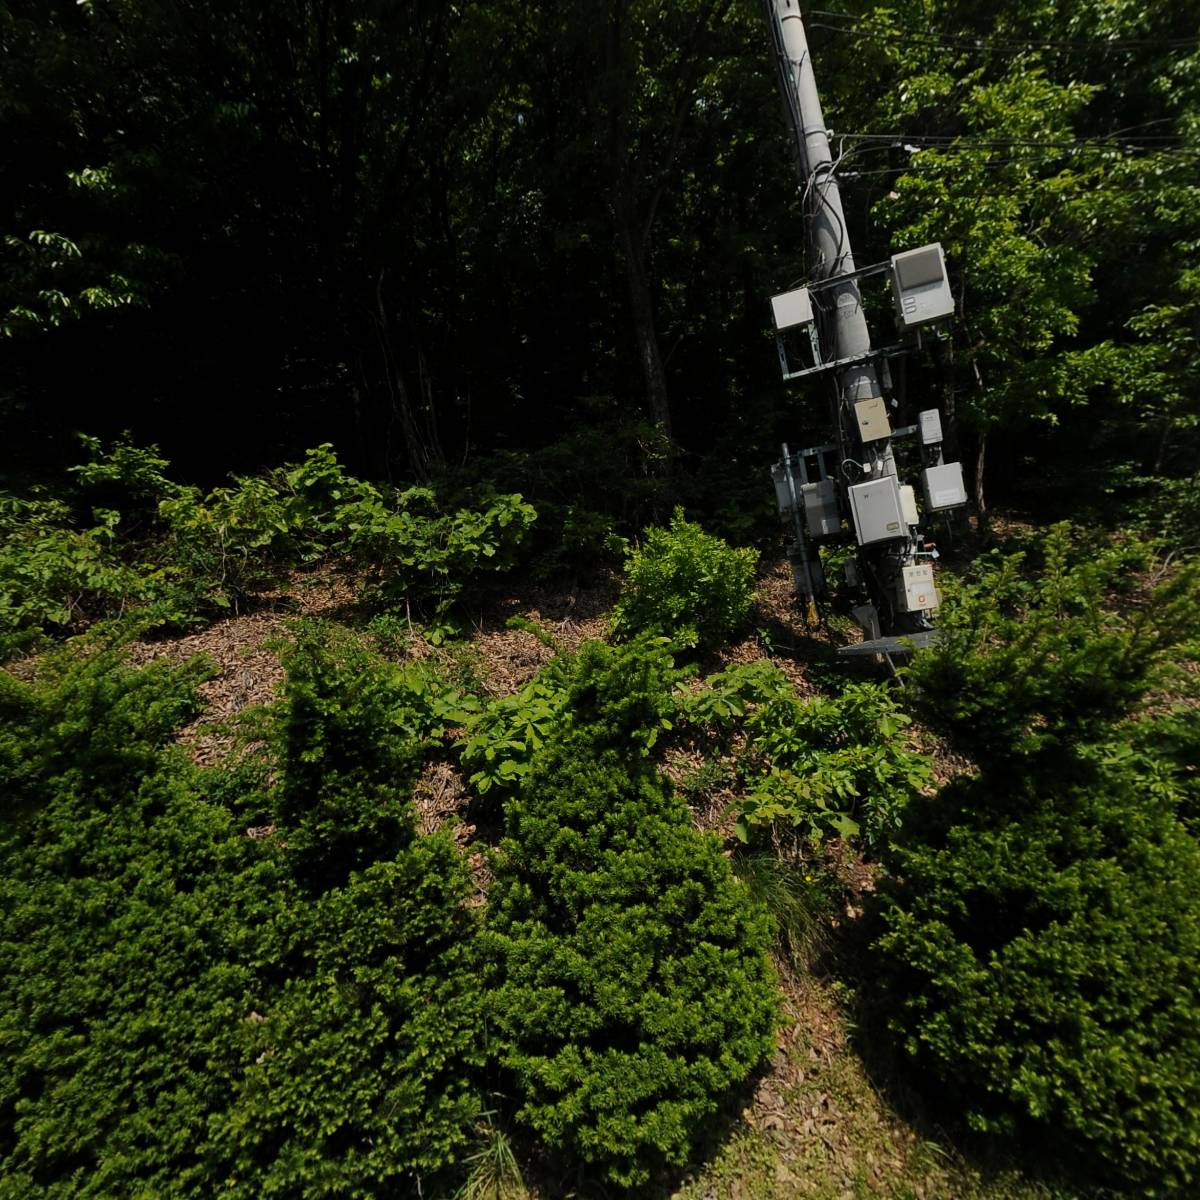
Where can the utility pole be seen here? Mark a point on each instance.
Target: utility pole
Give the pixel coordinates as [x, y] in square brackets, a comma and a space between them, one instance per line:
[827, 231]
[856, 474]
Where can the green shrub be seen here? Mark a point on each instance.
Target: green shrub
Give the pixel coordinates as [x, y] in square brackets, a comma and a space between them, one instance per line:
[1040, 960]
[178, 1017]
[343, 789]
[350, 737]
[823, 766]
[631, 988]
[500, 741]
[416, 552]
[225, 546]
[359, 1078]
[621, 696]
[1171, 509]
[178, 554]
[124, 477]
[91, 724]
[1053, 655]
[684, 584]
[1172, 741]
[54, 576]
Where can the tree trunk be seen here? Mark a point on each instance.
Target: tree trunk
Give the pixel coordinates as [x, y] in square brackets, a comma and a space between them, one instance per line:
[981, 514]
[951, 444]
[422, 444]
[645, 336]
[632, 233]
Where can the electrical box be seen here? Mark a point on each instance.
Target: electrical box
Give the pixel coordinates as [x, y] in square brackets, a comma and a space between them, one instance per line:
[792, 309]
[821, 508]
[783, 493]
[916, 590]
[875, 507]
[920, 287]
[943, 486]
[908, 504]
[872, 417]
[931, 426]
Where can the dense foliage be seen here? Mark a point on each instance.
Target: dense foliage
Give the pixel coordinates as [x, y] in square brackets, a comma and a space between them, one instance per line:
[512, 261]
[687, 585]
[631, 992]
[182, 1013]
[1040, 959]
[171, 555]
[1038, 939]
[1054, 648]
[821, 766]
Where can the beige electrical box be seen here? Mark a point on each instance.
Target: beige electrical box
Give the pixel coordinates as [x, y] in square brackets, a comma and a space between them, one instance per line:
[873, 422]
[917, 590]
[908, 504]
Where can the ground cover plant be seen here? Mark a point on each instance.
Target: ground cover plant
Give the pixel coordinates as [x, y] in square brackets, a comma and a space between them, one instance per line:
[130, 541]
[822, 767]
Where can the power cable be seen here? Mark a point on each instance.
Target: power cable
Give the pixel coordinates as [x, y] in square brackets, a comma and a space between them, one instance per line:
[966, 42]
[988, 163]
[942, 140]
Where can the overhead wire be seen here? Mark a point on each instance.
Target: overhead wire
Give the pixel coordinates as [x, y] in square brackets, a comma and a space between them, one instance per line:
[941, 140]
[1006, 45]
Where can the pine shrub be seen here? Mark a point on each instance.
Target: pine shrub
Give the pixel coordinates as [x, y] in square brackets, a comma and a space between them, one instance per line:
[1040, 960]
[687, 585]
[180, 1014]
[632, 992]
[1051, 647]
[346, 768]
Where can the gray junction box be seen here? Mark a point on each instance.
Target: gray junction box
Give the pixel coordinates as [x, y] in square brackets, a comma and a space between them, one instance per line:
[821, 508]
[931, 426]
[875, 507]
[792, 309]
[943, 486]
[921, 287]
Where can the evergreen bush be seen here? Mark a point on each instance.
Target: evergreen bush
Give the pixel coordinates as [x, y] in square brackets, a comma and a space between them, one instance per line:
[631, 992]
[178, 1016]
[1040, 960]
[346, 768]
[1051, 647]
[687, 585]
[622, 696]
